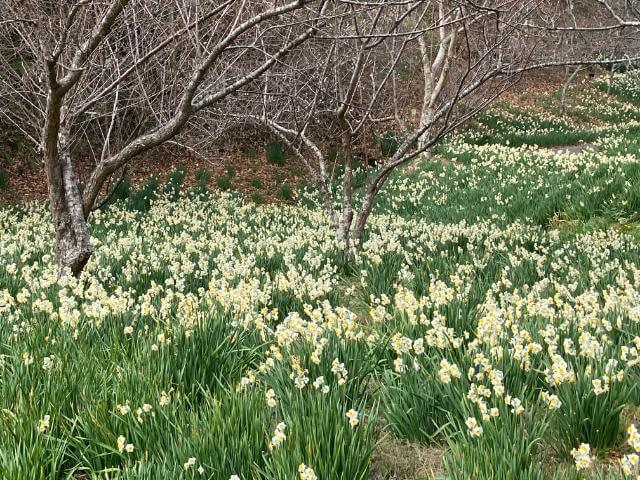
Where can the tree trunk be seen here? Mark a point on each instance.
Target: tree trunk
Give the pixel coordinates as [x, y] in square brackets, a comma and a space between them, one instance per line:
[73, 242]
[365, 212]
[344, 227]
[426, 112]
[73, 246]
[568, 78]
[426, 118]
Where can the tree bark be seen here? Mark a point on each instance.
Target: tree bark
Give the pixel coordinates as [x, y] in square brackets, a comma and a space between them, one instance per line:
[344, 227]
[368, 203]
[426, 113]
[568, 78]
[72, 245]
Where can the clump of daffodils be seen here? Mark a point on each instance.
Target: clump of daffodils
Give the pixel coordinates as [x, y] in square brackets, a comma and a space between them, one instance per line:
[352, 415]
[164, 399]
[123, 409]
[123, 446]
[600, 386]
[551, 401]
[190, 463]
[448, 371]
[582, 456]
[633, 437]
[48, 362]
[515, 403]
[399, 366]
[306, 472]
[278, 436]
[27, 358]
[338, 369]
[140, 411]
[473, 429]
[319, 384]
[629, 462]
[246, 380]
[43, 424]
[270, 396]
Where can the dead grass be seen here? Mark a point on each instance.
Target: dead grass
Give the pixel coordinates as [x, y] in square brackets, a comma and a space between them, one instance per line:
[562, 221]
[396, 459]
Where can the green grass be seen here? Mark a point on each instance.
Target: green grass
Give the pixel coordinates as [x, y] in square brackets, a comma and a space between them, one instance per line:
[257, 197]
[276, 153]
[256, 182]
[285, 192]
[203, 176]
[174, 183]
[389, 144]
[249, 152]
[224, 182]
[142, 198]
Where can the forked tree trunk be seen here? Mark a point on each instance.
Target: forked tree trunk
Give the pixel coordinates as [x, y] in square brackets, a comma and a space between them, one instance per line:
[73, 245]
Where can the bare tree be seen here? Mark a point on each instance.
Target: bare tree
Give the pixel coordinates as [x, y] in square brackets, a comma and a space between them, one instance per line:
[71, 70]
[469, 53]
[461, 47]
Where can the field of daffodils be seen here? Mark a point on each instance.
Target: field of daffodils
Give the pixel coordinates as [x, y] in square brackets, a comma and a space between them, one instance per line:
[492, 315]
